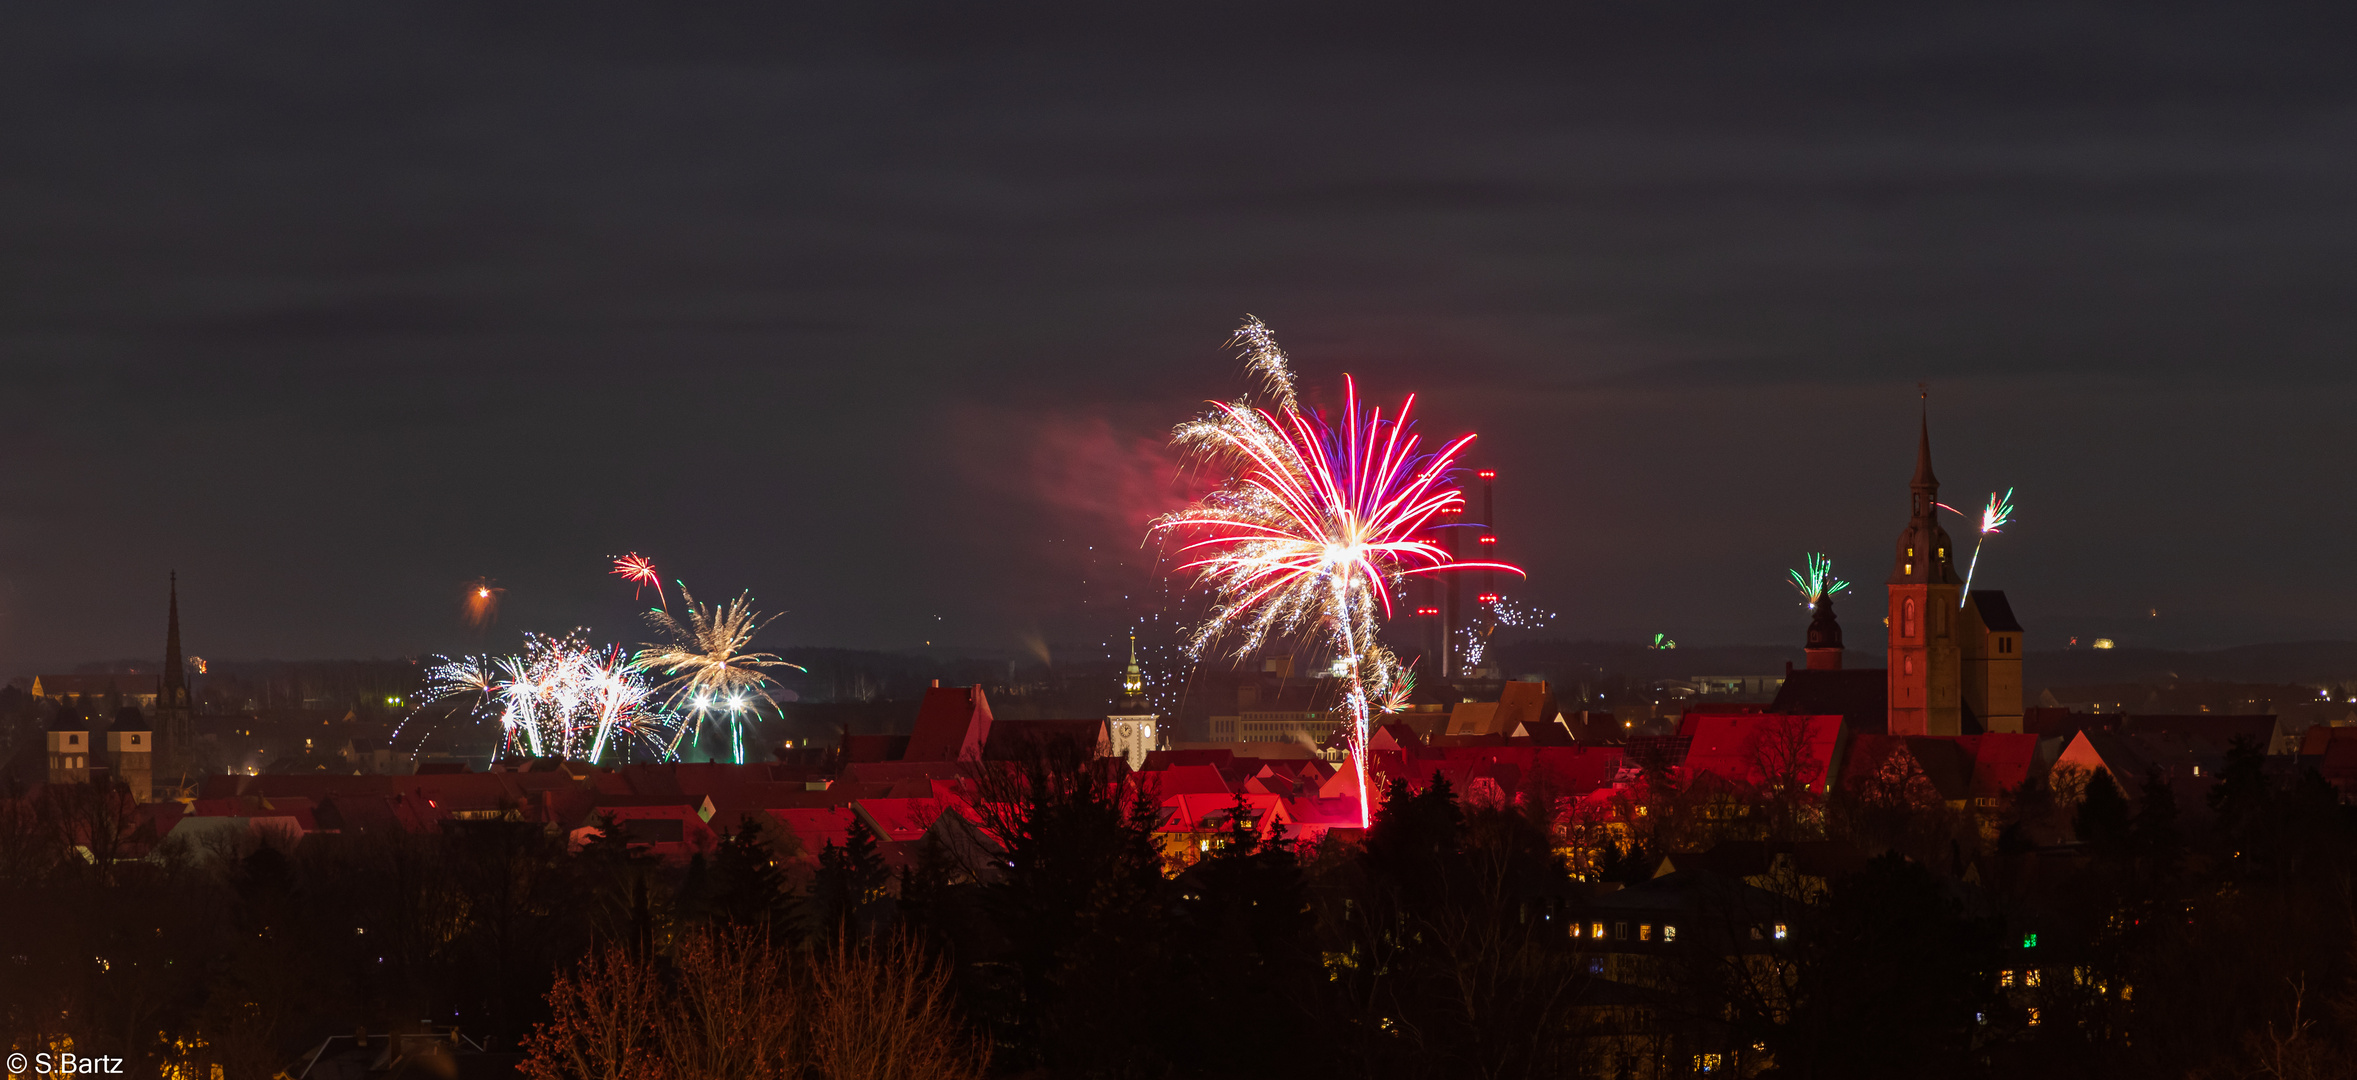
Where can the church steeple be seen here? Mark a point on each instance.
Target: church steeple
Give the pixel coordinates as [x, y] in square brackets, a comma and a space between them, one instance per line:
[1924, 590]
[1824, 640]
[173, 693]
[173, 755]
[1923, 549]
[1133, 677]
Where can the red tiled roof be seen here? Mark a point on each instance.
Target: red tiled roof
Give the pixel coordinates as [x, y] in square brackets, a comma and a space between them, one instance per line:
[953, 724]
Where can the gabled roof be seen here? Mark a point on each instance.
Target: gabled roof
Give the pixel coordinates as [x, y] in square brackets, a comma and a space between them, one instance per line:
[1996, 612]
[953, 724]
[1860, 696]
[1735, 746]
[1188, 780]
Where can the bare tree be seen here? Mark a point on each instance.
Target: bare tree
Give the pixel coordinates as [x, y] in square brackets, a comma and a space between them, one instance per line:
[884, 1012]
[733, 1014]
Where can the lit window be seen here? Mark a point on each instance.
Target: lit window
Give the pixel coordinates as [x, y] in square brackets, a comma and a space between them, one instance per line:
[2005, 978]
[2033, 1018]
[1644, 931]
[2029, 941]
[1669, 933]
[1781, 930]
[1706, 1063]
[1575, 929]
[1597, 931]
[2029, 977]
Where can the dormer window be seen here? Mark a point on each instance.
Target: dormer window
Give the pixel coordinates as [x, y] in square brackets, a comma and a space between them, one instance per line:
[73, 740]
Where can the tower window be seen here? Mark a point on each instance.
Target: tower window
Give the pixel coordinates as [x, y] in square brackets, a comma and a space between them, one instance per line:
[1907, 617]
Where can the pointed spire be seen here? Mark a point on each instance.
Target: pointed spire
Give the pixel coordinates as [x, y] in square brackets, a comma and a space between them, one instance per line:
[1133, 678]
[1923, 474]
[174, 691]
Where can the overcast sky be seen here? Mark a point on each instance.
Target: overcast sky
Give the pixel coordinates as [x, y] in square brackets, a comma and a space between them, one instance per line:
[885, 315]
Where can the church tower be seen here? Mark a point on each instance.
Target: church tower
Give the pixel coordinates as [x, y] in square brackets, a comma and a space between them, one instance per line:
[1824, 642]
[175, 720]
[1134, 730]
[1925, 660]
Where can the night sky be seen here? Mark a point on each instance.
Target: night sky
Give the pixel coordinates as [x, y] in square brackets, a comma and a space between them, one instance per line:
[884, 313]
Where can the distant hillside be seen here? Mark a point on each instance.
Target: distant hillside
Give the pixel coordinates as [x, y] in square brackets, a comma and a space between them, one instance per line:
[1574, 660]
[2283, 662]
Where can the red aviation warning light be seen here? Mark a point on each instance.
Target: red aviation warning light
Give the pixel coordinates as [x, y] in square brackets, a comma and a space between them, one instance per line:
[1488, 598]
[1489, 539]
[1427, 611]
[1487, 474]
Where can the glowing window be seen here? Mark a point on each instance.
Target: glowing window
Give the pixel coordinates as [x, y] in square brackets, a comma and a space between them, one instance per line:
[1781, 931]
[2029, 977]
[1669, 933]
[2033, 1018]
[1644, 931]
[2005, 978]
[1596, 931]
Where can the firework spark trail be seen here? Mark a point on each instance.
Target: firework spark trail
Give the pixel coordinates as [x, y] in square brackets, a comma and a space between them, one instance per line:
[1263, 358]
[640, 572]
[1995, 516]
[1393, 696]
[1816, 580]
[1313, 527]
[706, 660]
[1473, 641]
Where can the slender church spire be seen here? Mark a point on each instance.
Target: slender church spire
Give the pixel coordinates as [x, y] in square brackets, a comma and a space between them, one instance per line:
[1133, 678]
[174, 690]
[175, 760]
[1923, 473]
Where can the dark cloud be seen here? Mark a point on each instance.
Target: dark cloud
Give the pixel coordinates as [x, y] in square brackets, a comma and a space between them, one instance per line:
[878, 309]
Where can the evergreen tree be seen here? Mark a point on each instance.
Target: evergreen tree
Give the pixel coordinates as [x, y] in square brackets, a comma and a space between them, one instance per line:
[748, 887]
[1891, 976]
[2154, 835]
[848, 886]
[1246, 975]
[2102, 822]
